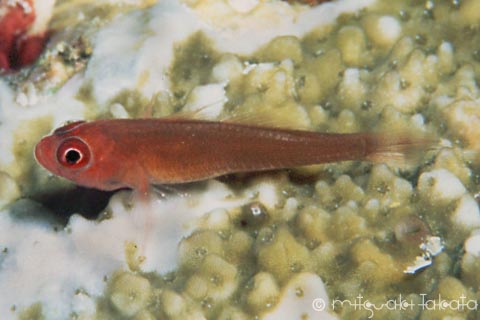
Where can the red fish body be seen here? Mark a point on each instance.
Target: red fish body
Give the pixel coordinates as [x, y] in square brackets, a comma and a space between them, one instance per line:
[135, 153]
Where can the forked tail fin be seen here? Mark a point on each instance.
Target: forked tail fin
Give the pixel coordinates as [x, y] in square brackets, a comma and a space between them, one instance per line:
[398, 149]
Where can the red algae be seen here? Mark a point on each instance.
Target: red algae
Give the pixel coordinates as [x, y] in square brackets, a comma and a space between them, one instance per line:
[18, 48]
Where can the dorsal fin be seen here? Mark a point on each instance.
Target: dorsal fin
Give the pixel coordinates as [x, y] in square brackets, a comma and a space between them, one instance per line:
[200, 113]
[263, 118]
[266, 118]
[69, 126]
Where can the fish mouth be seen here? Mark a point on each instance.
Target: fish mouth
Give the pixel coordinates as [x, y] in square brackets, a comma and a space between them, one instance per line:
[42, 150]
[38, 151]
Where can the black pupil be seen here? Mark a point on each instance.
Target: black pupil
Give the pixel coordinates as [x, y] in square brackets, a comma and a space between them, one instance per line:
[72, 156]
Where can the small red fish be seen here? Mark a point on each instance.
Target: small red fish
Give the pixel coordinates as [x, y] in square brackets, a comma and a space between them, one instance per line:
[136, 153]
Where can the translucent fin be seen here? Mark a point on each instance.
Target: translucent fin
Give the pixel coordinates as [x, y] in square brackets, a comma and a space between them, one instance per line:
[261, 119]
[148, 108]
[142, 211]
[200, 113]
[165, 190]
[399, 149]
[266, 118]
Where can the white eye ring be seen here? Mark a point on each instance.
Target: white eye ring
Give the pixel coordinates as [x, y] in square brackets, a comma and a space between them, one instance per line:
[73, 153]
[78, 156]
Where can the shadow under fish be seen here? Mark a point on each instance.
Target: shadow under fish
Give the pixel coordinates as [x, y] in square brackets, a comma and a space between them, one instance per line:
[63, 203]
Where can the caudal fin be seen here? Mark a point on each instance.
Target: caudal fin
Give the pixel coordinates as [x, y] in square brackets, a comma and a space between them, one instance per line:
[398, 149]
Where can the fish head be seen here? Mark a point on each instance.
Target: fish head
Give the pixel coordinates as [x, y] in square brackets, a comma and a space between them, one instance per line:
[78, 152]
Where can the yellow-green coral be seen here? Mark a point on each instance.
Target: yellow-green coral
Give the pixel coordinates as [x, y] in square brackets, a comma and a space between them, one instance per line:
[398, 67]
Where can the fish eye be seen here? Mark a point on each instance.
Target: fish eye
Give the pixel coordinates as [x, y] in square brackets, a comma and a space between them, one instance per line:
[73, 156]
[73, 153]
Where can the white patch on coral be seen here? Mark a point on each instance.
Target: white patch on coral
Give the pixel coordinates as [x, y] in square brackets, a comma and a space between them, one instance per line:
[84, 305]
[62, 106]
[227, 69]
[207, 101]
[118, 111]
[36, 267]
[6, 143]
[243, 6]
[304, 297]
[389, 29]
[418, 121]
[446, 48]
[442, 101]
[467, 214]
[351, 87]
[440, 185]
[217, 219]
[258, 67]
[45, 266]
[351, 76]
[143, 42]
[266, 192]
[472, 244]
[446, 57]
[390, 92]
[9, 189]
[244, 34]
